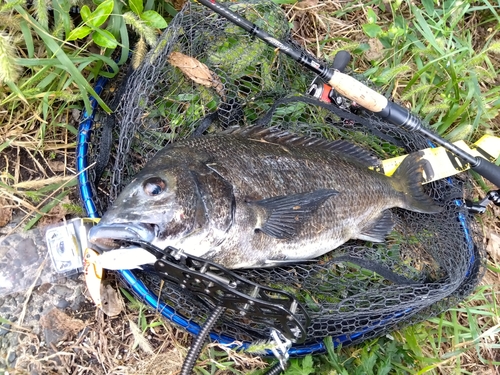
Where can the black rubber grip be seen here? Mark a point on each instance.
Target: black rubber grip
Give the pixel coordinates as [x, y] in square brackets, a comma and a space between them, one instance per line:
[488, 170]
[341, 60]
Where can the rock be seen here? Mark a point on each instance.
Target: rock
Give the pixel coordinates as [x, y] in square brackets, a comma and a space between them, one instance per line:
[62, 303]
[53, 336]
[11, 358]
[62, 290]
[29, 251]
[19, 299]
[79, 300]
[4, 328]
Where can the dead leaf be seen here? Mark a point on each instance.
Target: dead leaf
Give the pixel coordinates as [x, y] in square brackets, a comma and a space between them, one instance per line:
[57, 326]
[76, 114]
[376, 50]
[111, 303]
[493, 247]
[39, 183]
[197, 71]
[139, 339]
[57, 319]
[5, 212]
[304, 4]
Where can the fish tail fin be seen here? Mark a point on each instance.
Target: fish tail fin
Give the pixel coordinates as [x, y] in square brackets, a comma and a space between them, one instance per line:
[408, 180]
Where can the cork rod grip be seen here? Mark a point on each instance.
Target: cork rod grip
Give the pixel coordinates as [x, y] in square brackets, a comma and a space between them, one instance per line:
[355, 90]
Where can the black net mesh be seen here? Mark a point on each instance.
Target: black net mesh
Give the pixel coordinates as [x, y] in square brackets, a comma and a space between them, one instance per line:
[158, 103]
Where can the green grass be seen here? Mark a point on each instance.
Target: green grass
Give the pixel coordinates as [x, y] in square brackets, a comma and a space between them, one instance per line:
[440, 59]
[438, 345]
[47, 66]
[443, 56]
[463, 340]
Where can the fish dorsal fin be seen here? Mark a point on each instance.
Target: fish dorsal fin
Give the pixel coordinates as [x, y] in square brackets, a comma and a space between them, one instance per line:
[284, 137]
[360, 154]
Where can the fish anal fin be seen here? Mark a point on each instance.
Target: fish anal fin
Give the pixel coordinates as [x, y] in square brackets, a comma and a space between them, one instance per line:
[379, 228]
[285, 214]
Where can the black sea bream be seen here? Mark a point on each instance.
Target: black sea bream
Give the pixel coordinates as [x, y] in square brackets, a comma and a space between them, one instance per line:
[261, 197]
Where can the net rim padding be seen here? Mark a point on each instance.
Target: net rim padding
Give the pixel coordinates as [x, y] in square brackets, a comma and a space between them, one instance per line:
[141, 290]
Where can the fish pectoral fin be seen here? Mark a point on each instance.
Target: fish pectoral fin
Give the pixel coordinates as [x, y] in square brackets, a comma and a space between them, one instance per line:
[379, 228]
[285, 214]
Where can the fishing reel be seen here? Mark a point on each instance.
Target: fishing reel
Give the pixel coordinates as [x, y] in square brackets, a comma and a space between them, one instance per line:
[325, 93]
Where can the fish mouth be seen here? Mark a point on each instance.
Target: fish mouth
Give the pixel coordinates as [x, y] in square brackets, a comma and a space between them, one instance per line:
[107, 236]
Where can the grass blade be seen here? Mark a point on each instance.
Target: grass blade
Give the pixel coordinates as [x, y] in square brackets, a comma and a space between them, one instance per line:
[64, 60]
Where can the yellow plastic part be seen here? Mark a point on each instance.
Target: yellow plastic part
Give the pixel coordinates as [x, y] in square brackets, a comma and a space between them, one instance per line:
[442, 163]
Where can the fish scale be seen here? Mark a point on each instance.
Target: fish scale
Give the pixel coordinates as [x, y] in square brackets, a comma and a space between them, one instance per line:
[262, 197]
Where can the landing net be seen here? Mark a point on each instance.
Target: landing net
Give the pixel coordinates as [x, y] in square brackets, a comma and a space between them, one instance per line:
[439, 256]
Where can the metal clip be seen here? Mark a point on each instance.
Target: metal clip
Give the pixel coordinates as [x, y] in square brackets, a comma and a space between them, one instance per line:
[480, 207]
[280, 350]
[177, 254]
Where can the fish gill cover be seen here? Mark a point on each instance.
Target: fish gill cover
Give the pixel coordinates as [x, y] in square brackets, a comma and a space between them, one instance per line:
[206, 75]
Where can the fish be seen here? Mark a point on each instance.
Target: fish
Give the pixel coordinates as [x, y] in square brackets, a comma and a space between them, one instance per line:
[261, 197]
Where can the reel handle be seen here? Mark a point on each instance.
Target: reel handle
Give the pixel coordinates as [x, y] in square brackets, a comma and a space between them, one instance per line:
[341, 60]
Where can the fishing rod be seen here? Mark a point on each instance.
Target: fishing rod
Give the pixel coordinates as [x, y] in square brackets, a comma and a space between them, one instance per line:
[364, 96]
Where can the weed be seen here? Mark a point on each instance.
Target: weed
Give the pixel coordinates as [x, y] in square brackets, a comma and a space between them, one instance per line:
[442, 70]
[46, 72]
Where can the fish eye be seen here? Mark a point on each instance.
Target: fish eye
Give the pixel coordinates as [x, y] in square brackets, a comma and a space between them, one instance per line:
[153, 186]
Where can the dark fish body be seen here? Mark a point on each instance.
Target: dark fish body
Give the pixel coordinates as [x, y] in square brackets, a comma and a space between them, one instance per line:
[261, 197]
